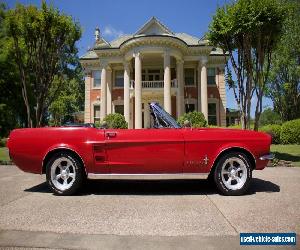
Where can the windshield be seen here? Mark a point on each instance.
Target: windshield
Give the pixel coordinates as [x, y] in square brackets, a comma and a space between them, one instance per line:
[168, 120]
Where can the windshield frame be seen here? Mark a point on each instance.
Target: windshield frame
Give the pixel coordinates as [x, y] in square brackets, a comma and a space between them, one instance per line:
[164, 115]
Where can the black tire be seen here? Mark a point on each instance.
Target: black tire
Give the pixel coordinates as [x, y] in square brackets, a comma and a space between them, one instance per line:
[221, 183]
[77, 169]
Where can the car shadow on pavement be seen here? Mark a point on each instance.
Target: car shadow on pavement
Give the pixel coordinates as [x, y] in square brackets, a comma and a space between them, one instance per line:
[157, 187]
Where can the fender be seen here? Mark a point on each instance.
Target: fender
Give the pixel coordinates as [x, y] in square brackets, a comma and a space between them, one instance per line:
[63, 147]
[232, 146]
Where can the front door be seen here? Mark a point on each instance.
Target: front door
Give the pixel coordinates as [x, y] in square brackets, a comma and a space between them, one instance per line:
[144, 151]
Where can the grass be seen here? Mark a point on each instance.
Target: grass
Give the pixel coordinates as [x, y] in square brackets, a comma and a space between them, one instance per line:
[287, 153]
[4, 154]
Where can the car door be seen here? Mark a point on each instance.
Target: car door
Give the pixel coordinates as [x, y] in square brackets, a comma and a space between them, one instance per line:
[199, 150]
[144, 151]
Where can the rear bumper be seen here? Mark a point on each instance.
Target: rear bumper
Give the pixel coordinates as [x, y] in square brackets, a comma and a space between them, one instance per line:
[267, 157]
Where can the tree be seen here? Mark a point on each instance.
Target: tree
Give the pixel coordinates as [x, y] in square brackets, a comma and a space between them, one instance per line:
[44, 48]
[12, 113]
[283, 86]
[269, 116]
[247, 30]
[68, 97]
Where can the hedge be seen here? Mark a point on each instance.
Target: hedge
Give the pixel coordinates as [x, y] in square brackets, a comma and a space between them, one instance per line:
[196, 119]
[115, 121]
[290, 132]
[274, 130]
[3, 142]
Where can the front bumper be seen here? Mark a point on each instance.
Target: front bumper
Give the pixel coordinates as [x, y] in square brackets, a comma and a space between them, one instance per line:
[267, 157]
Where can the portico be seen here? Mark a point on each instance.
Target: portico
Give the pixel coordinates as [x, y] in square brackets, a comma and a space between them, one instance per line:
[154, 64]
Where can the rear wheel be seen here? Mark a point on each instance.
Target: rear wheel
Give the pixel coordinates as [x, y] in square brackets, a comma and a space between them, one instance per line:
[233, 174]
[64, 173]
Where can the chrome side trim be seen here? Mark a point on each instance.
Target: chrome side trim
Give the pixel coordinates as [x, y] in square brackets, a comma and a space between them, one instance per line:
[149, 176]
[267, 157]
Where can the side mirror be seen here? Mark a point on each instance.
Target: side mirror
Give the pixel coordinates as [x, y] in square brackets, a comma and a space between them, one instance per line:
[187, 124]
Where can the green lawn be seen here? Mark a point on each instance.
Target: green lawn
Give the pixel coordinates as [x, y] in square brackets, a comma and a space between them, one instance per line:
[287, 153]
[4, 154]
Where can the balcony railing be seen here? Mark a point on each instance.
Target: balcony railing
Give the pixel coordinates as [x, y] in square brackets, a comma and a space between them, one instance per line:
[154, 84]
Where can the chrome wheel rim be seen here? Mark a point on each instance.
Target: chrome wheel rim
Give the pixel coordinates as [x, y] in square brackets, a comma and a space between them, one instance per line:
[234, 173]
[63, 173]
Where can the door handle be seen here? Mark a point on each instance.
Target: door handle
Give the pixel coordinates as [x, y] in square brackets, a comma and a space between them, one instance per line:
[111, 134]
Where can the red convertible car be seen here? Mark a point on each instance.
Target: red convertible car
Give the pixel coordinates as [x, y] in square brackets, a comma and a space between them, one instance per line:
[69, 155]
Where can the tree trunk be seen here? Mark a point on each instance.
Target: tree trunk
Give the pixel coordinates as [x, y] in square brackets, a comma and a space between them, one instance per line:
[258, 110]
[243, 120]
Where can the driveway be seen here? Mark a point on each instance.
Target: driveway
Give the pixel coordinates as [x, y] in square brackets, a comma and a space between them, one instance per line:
[111, 214]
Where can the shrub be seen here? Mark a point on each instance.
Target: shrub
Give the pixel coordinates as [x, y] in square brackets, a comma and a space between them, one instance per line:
[115, 121]
[97, 124]
[3, 142]
[196, 119]
[238, 126]
[290, 132]
[274, 130]
[269, 116]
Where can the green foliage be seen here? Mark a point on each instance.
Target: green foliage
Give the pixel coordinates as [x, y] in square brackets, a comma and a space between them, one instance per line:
[274, 130]
[115, 121]
[284, 84]
[290, 132]
[12, 112]
[269, 116]
[97, 124]
[7, 120]
[3, 142]
[196, 119]
[248, 30]
[44, 47]
[68, 98]
[238, 126]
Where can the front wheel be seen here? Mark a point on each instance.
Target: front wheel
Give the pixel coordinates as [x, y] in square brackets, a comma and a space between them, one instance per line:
[233, 174]
[64, 174]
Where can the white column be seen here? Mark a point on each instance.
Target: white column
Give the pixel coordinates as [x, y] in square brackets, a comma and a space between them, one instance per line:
[109, 91]
[199, 105]
[180, 88]
[126, 92]
[87, 97]
[138, 90]
[167, 83]
[204, 103]
[103, 91]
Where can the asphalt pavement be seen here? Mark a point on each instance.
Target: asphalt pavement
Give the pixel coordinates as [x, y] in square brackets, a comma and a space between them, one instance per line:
[131, 214]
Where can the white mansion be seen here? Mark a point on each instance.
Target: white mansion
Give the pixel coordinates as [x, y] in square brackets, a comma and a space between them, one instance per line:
[181, 72]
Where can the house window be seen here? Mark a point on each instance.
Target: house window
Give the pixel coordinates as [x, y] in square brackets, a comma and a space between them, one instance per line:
[119, 109]
[96, 113]
[211, 76]
[119, 78]
[97, 78]
[189, 108]
[189, 77]
[153, 75]
[212, 114]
